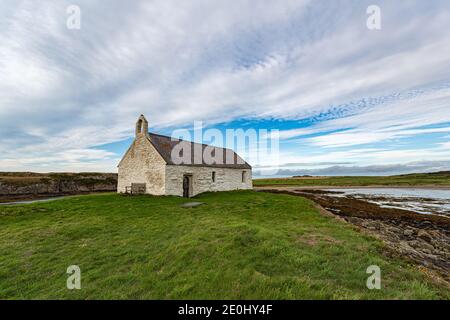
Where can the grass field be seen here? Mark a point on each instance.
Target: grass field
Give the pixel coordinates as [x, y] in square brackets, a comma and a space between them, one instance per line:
[417, 179]
[239, 245]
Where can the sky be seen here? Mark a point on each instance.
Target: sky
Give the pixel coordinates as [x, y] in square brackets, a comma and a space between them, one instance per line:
[345, 99]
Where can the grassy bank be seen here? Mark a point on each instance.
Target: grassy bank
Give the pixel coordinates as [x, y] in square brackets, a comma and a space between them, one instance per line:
[417, 179]
[244, 244]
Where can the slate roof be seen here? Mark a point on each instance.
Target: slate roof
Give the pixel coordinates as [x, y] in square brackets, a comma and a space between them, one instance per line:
[164, 145]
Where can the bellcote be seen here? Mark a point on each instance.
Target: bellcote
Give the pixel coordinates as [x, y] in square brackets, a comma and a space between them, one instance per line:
[141, 126]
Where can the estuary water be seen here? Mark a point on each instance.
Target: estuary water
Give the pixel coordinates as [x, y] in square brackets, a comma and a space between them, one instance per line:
[420, 200]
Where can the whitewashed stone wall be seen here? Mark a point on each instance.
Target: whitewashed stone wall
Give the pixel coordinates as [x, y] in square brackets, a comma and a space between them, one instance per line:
[226, 179]
[142, 164]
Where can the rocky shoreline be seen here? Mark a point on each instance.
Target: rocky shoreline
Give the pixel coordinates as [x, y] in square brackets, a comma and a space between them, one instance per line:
[423, 239]
[19, 186]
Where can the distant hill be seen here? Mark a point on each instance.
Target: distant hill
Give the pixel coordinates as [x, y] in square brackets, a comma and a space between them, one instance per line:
[432, 179]
[436, 173]
[425, 174]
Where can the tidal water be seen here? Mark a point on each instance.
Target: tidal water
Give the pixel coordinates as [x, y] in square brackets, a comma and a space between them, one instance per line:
[425, 201]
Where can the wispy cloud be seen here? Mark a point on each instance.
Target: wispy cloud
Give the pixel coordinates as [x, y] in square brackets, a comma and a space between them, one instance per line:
[63, 92]
[394, 120]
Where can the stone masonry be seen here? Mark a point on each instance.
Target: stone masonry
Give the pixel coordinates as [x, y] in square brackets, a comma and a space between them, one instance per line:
[146, 162]
[226, 179]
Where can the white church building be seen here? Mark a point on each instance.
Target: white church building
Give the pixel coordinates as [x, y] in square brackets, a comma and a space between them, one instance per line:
[149, 166]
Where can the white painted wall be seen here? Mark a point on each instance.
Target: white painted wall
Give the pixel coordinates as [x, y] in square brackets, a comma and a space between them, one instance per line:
[143, 164]
[226, 179]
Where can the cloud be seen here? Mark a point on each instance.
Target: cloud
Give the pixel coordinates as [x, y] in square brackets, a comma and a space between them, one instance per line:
[302, 164]
[398, 119]
[444, 145]
[390, 117]
[70, 160]
[62, 91]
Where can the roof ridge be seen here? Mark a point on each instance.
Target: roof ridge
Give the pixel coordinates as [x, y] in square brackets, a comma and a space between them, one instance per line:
[204, 144]
[164, 145]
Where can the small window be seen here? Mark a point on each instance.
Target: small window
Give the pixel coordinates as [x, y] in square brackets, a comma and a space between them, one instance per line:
[244, 176]
[213, 176]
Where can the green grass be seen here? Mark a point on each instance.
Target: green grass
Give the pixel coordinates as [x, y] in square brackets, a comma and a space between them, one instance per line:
[240, 245]
[417, 179]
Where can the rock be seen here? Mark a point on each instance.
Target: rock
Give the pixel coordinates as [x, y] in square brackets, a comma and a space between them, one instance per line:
[371, 225]
[414, 243]
[421, 241]
[393, 230]
[406, 248]
[392, 236]
[431, 256]
[353, 220]
[422, 234]
[426, 223]
[191, 204]
[426, 246]
[435, 234]
[420, 245]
